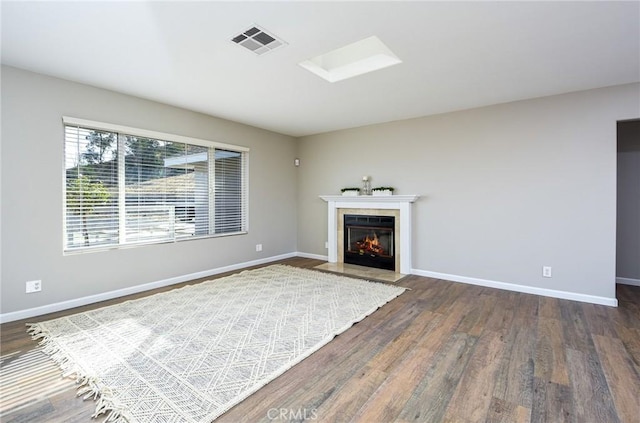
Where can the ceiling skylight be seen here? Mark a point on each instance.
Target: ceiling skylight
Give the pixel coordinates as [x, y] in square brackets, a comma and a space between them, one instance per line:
[352, 60]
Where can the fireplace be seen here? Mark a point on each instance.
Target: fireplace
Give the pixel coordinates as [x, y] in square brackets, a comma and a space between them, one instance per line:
[398, 206]
[369, 241]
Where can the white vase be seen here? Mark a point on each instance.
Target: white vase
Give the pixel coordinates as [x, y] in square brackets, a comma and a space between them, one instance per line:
[380, 193]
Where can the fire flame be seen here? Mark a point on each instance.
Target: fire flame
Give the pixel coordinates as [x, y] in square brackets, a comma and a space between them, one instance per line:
[370, 245]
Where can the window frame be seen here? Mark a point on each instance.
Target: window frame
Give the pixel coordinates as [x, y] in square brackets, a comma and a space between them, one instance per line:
[121, 131]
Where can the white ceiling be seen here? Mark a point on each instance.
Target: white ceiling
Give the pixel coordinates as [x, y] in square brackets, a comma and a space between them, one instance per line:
[456, 55]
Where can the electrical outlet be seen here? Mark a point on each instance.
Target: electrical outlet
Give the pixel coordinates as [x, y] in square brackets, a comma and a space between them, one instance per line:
[546, 271]
[258, 247]
[33, 286]
[326, 244]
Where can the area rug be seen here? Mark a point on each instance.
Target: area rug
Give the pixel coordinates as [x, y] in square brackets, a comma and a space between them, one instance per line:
[190, 354]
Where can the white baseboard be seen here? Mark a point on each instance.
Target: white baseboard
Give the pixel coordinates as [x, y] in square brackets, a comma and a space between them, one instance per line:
[565, 295]
[628, 281]
[77, 302]
[312, 256]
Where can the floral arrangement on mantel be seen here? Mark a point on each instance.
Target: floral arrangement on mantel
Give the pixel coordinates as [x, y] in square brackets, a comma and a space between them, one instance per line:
[366, 189]
[379, 191]
[350, 191]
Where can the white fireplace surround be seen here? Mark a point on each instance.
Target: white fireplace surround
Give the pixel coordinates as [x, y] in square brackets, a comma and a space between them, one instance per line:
[402, 203]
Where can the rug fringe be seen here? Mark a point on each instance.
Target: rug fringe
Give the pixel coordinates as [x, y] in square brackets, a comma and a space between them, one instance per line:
[88, 386]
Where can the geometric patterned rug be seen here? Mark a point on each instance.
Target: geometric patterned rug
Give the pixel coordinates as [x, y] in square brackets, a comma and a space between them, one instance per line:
[192, 353]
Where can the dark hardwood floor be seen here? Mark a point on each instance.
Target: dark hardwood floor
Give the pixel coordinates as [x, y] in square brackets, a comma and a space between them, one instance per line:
[440, 352]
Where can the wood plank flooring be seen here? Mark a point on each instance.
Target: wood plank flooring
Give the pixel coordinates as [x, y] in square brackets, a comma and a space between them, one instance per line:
[441, 352]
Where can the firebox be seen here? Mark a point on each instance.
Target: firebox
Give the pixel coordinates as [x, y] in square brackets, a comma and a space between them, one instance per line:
[368, 241]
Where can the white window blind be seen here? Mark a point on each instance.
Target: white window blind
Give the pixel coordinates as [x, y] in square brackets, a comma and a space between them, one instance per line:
[127, 186]
[91, 172]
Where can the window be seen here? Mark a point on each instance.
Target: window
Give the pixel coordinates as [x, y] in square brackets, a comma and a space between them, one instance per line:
[126, 186]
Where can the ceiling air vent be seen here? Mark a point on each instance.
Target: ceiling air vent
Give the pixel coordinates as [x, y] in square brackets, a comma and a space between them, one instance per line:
[258, 40]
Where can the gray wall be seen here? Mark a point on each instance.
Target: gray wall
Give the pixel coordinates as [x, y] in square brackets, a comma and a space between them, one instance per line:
[505, 189]
[628, 233]
[32, 178]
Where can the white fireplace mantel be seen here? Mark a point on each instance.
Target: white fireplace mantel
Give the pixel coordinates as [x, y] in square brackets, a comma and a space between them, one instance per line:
[402, 203]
